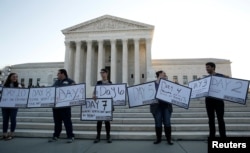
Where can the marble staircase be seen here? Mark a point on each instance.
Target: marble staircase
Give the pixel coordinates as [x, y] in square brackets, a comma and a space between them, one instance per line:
[137, 123]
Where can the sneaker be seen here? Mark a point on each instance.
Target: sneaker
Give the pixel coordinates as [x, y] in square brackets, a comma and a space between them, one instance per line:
[54, 139]
[109, 140]
[97, 139]
[70, 140]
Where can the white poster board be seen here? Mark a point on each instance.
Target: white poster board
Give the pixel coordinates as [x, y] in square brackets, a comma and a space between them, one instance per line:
[200, 88]
[42, 97]
[115, 91]
[14, 97]
[230, 89]
[97, 110]
[142, 94]
[72, 95]
[173, 93]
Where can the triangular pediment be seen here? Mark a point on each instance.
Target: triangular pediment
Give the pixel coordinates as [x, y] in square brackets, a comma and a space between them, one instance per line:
[107, 23]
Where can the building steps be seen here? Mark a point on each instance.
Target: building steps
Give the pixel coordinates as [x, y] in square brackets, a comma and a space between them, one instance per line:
[137, 123]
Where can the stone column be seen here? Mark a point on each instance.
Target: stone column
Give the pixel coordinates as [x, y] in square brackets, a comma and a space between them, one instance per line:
[113, 61]
[70, 67]
[150, 71]
[89, 65]
[67, 50]
[78, 62]
[82, 64]
[125, 61]
[148, 53]
[100, 58]
[137, 61]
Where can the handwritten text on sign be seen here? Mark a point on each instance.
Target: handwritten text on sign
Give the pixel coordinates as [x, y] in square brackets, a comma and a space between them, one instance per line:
[173, 93]
[70, 95]
[230, 89]
[142, 94]
[99, 109]
[200, 88]
[14, 97]
[115, 91]
[42, 97]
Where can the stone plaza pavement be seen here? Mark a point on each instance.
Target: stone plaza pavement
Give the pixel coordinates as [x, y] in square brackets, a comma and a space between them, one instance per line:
[41, 145]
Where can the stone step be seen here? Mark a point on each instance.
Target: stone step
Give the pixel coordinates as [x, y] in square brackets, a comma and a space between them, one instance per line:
[145, 110]
[184, 135]
[142, 115]
[133, 127]
[240, 120]
[138, 123]
[193, 104]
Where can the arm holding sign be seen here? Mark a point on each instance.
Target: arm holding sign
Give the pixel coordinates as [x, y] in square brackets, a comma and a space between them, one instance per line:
[94, 95]
[94, 92]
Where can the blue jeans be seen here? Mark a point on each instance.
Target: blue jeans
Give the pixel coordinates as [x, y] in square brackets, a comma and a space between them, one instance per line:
[9, 113]
[162, 115]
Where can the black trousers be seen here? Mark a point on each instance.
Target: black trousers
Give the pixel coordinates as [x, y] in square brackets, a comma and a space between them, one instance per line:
[59, 115]
[99, 127]
[212, 106]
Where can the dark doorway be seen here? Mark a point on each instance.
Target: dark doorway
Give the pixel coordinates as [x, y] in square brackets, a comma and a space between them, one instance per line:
[109, 70]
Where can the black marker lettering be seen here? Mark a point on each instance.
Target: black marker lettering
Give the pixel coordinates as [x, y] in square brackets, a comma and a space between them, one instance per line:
[236, 89]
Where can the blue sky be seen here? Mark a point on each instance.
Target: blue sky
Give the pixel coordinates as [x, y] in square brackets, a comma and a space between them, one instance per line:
[30, 30]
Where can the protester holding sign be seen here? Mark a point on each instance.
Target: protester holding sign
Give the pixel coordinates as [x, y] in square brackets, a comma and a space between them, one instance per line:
[215, 105]
[62, 114]
[162, 112]
[10, 113]
[104, 75]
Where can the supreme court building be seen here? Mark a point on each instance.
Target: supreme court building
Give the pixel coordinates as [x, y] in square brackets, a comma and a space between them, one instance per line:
[120, 45]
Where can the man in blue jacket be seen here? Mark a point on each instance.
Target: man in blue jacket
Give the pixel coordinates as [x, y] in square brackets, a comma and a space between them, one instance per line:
[215, 105]
[62, 114]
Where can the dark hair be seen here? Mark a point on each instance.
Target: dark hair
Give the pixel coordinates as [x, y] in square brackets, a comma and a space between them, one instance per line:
[63, 71]
[8, 81]
[105, 70]
[211, 64]
[158, 73]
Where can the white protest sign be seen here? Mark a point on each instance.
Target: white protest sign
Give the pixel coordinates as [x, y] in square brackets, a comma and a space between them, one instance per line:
[115, 91]
[174, 93]
[230, 89]
[200, 88]
[14, 97]
[97, 110]
[70, 95]
[142, 94]
[42, 97]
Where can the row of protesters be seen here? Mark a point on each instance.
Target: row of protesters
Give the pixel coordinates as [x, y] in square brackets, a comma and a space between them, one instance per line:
[161, 111]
